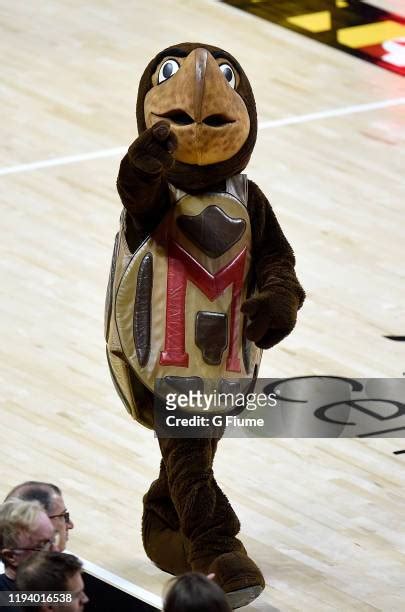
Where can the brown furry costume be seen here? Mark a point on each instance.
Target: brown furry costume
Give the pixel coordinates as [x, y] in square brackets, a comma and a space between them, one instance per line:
[188, 522]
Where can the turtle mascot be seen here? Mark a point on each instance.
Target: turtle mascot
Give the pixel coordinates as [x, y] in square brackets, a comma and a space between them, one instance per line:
[202, 279]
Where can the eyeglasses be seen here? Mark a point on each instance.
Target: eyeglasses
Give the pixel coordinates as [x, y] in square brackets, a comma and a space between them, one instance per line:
[42, 547]
[65, 514]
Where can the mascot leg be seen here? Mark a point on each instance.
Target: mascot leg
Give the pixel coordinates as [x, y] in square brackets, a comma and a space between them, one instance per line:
[208, 520]
[162, 538]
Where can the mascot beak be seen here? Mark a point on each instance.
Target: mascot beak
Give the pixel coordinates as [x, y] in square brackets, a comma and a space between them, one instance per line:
[207, 115]
[212, 94]
[201, 58]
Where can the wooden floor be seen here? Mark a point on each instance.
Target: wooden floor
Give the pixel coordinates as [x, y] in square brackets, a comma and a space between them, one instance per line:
[323, 518]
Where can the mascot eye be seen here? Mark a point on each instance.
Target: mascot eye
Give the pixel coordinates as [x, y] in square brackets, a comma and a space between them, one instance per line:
[167, 70]
[228, 74]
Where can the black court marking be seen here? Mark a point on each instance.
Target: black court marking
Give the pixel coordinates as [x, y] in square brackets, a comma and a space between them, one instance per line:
[399, 452]
[354, 27]
[396, 338]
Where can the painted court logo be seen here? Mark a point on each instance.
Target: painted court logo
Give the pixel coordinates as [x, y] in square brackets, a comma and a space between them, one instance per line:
[300, 407]
[357, 28]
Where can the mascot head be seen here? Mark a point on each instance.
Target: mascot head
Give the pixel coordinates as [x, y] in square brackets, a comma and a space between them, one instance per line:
[206, 97]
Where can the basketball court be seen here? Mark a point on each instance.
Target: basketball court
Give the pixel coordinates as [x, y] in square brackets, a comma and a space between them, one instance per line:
[323, 518]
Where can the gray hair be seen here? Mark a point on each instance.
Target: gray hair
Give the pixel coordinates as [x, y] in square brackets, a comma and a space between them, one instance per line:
[17, 517]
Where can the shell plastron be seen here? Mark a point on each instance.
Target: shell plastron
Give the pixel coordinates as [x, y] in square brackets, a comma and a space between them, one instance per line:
[173, 307]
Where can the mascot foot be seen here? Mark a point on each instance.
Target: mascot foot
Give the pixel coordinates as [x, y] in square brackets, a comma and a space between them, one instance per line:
[238, 576]
[243, 597]
[162, 537]
[164, 546]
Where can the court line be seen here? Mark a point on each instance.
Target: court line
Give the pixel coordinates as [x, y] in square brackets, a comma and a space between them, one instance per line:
[60, 161]
[333, 112]
[326, 114]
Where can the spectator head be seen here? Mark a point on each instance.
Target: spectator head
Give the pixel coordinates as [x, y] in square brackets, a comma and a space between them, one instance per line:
[24, 528]
[194, 592]
[50, 496]
[53, 571]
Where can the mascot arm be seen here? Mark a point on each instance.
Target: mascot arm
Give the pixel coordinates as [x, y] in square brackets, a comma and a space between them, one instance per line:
[273, 310]
[142, 183]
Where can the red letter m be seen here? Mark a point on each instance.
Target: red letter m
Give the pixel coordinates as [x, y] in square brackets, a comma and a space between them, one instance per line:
[182, 267]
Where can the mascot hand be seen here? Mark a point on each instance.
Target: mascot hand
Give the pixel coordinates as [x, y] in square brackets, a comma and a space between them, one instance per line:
[152, 152]
[272, 314]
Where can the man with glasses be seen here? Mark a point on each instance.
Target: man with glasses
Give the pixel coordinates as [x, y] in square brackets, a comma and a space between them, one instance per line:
[50, 497]
[25, 528]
